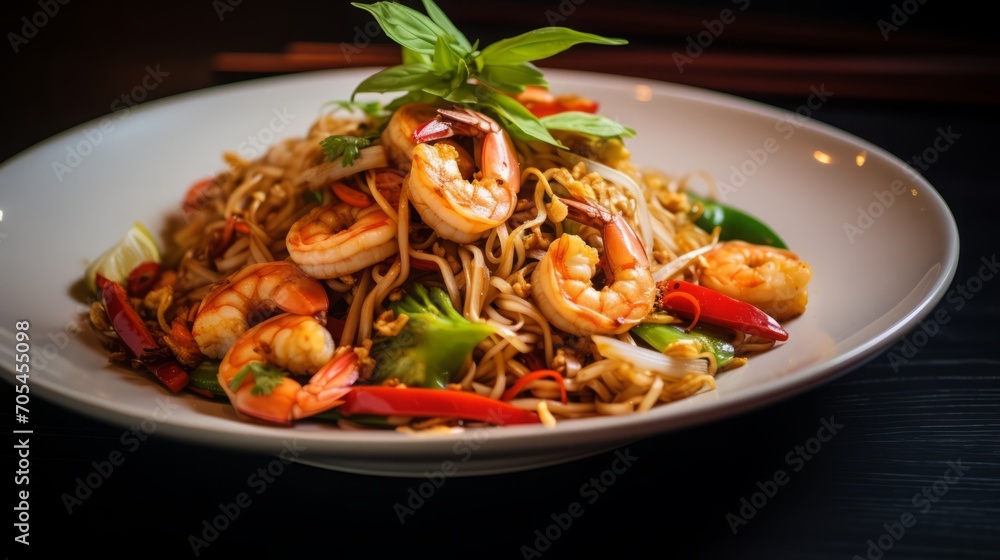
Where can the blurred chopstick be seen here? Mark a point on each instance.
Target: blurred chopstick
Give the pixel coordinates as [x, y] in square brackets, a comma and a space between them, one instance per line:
[944, 78]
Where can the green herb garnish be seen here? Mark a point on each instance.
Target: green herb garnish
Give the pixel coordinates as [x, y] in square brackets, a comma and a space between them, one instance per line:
[587, 123]
[345, 148]
[439, 61]
[373, 109]
[266, 378]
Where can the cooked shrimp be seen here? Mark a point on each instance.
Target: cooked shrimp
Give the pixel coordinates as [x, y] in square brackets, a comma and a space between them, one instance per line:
[339, 239]
[250, 295]
[295, 345]
[771, 279]
[562, 282]
[397, 138]
[454, 207]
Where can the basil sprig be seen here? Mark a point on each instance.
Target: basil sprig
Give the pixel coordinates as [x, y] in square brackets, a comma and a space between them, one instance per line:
[440, 62]
[587, 123]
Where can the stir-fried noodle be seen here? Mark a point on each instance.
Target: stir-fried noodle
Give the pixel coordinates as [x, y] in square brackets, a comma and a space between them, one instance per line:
[243, 217]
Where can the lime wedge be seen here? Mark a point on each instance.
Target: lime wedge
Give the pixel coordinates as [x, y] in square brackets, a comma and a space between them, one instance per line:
[138, 246]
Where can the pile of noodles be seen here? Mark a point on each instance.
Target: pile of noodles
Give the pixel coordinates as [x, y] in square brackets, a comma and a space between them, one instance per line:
[488, 280]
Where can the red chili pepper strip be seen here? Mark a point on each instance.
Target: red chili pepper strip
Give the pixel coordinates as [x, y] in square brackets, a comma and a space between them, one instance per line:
[524, 381]
[412, 401]
[227, 237]
[689, 297]
[542, 103]
[142, 279]
[579, 104]
[722, 310]
[136, 336]
[170, 374]
[126, 321]
[351, 196]
[196, 194]
[423, 264]
[242, 227]
[100, 281]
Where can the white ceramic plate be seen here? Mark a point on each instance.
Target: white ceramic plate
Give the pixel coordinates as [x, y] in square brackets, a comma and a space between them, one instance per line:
[67, 199]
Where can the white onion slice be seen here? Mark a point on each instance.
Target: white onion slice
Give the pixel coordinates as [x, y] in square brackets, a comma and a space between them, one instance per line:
[644, 359]
[678, 264]
[325, 173]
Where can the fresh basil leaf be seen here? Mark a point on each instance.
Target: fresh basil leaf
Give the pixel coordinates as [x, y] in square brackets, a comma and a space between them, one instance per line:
[438, 17]
[512, 78]
[463, 94]
[445, 59]
[539, 44]
[517, 119]
[404, 25]
[587, 123]
[411, 97]
[461, 77]
[411, 57]
[404, 77]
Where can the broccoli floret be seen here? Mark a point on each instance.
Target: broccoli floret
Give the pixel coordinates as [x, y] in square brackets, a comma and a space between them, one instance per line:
[432, 344]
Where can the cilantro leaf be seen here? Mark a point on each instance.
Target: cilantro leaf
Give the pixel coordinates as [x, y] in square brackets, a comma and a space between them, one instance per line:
[266, 378]
[345, 147]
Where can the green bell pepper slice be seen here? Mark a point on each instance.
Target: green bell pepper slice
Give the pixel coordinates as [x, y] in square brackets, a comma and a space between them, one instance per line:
[735, 224]
[661, 336]
[206, 378]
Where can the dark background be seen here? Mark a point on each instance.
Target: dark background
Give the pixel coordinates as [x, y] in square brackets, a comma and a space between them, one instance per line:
[901, 425]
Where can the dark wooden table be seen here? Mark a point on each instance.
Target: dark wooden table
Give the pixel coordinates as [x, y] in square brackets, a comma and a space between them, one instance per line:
[899, 459]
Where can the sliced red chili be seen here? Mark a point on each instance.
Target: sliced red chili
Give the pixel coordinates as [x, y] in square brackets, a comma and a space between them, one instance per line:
[528, 378]
[424, 264]
[226, 238]
[142, 279]
[170, 374]
[420, 402]
[100, 281]
[350, 196]
[719, 309]
[196, 195]
[542, 103]
[134, 334]
[667, 296]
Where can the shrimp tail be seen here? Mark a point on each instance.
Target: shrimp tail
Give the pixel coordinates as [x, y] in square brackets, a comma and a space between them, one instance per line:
[434, 129]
